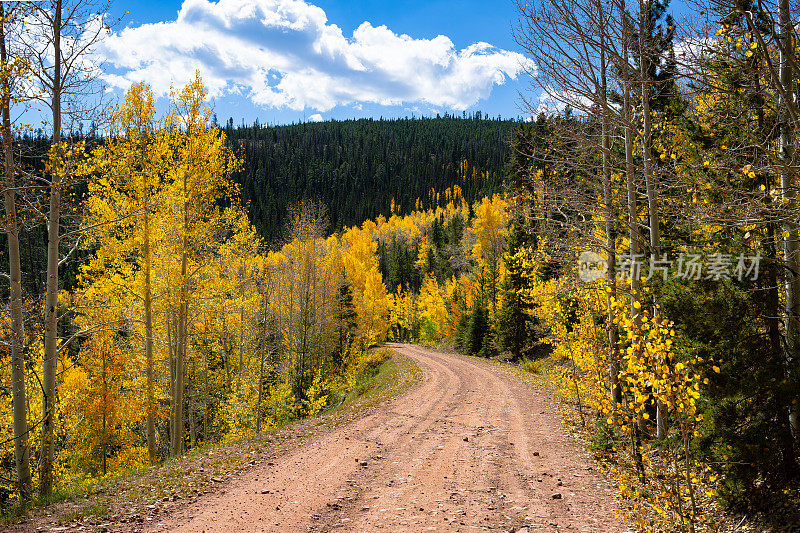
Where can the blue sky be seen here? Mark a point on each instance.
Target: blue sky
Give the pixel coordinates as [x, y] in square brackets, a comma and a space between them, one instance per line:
[284, 61]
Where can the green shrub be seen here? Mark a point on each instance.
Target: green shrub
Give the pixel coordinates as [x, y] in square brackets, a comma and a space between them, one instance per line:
[532, 366]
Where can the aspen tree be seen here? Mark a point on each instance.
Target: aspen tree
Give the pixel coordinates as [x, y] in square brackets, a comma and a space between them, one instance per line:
[310, 292]
[60, 38]
[646, 56]
[51, 300]
[12, 69]
[610, 209]
[200, 176]
[133, 161]
[791, 234]
[490, 230]
[630, 172]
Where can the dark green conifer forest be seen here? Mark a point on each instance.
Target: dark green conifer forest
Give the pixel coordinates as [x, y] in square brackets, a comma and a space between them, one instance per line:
[355, 168]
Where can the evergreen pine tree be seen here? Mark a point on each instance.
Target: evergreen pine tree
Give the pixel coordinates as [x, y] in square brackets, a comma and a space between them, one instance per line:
[514, 320]
[477, 340]
[346, 321]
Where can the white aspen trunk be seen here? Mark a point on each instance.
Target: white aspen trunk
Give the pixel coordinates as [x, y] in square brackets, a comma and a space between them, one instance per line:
[171, 348]
[18, 390]
[630, 178]
[180, 352]
[51, 298]
[241, 351]
[148, 334]
[647, 163]
[647, 166]
[611, 230]
[192, 386]
[791, 247]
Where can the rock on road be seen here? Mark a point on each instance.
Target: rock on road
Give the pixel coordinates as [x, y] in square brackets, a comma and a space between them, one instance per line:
[471, 448]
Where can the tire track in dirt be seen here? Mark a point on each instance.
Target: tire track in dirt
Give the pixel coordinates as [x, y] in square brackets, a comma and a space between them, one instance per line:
[470, 449]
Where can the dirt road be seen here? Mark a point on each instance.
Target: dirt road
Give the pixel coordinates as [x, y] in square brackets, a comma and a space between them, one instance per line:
[471, 449]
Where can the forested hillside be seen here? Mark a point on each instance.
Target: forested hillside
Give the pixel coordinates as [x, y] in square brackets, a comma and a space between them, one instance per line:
[357, 168]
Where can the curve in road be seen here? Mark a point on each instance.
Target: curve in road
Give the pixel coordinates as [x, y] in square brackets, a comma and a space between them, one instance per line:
[472, 448]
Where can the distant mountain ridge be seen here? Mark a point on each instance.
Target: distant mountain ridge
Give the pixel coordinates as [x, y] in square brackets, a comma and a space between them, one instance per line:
[357, 167]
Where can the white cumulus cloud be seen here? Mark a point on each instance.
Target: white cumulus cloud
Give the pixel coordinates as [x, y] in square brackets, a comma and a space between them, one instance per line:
[315, 118]
[553, 102]
[285, 54]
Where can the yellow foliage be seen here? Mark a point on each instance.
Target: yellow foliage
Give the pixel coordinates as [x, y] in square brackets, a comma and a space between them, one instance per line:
[651, 374]
[433, 308]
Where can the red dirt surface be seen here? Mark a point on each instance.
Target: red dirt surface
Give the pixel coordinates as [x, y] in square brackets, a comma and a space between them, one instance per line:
[472, 448]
